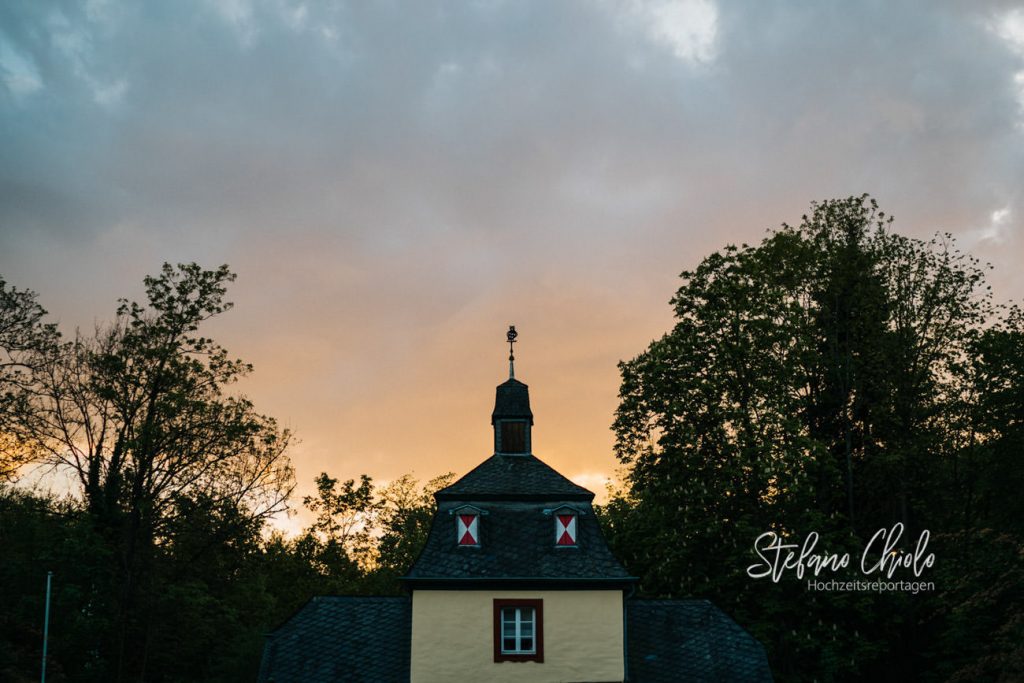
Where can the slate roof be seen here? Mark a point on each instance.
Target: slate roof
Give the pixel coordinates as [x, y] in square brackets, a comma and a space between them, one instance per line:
[511, 400]
[514, 477]
[517, 542]
[672, 641]
[352, 639]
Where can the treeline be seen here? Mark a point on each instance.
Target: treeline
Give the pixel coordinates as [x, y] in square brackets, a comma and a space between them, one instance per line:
[836, 378]
[216, 583]
[165, 559]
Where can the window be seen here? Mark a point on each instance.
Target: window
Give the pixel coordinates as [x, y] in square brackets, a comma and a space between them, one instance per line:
[513, 437]
[519, 630]
[467, 529]
[565, 529]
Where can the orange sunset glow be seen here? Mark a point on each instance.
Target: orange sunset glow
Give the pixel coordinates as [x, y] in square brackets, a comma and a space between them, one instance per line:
[395, 184]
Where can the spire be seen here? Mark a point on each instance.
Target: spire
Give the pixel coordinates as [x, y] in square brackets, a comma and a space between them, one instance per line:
[511, 336]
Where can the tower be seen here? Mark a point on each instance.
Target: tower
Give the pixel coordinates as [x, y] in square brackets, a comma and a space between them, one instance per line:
[516, 581]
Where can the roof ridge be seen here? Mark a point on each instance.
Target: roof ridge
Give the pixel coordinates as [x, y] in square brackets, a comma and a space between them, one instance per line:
[513, 476]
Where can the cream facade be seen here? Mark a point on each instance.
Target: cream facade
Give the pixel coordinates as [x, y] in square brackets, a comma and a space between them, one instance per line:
[453, 637]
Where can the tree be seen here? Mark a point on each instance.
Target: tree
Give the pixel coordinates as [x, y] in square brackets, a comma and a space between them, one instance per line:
[405, 514]
[139, 411]
[987, 466]
[364, 537]
[340, 540]
[40, 533]
[140, 415]
[25, 343]
[813, 382]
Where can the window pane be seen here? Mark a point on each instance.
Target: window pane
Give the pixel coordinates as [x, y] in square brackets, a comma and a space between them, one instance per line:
[519, 630]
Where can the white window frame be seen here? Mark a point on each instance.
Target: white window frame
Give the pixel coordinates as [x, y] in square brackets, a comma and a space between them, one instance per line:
[517, 624]
[522, 612]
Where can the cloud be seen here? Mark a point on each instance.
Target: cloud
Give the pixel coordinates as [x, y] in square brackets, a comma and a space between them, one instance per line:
[395, 183]
[687, 27]
[1009, 26]
[18, 72]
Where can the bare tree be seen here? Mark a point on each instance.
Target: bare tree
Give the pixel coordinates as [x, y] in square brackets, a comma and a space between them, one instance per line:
[139, 413]
[26, 342]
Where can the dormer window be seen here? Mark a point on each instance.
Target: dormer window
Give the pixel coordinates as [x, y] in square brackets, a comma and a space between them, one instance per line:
[467, 525]
[565, 528]
[467, 529]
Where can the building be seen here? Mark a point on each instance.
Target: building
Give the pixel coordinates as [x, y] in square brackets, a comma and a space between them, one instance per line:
[515, 583]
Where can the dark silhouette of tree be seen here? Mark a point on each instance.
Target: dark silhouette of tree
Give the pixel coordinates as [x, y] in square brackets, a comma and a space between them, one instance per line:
[140, 415]
[26, 342]
[836, 378]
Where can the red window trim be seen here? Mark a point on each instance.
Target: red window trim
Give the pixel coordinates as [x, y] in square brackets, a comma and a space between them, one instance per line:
[538, 606]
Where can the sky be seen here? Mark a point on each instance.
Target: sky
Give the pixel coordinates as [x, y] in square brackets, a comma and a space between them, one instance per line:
[396, 182]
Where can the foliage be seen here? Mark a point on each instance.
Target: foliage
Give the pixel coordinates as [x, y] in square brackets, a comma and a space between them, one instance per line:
[164, 566]
[343, 518]
[405, 514]
[366, 537]
[139, 416]
[835, 378]
[219, 578]
[25, 342]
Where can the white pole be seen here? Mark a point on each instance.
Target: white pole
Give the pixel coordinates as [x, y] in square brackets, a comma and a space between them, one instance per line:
[46, 622]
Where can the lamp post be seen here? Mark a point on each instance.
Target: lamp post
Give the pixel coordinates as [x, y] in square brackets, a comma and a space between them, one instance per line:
[46, 622]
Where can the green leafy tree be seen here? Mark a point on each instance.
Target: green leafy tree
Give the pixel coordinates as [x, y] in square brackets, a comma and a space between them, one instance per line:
[406, 511]
[987, 466]
[341, 535]
[364, 537]
[41, 533]
[810, 383]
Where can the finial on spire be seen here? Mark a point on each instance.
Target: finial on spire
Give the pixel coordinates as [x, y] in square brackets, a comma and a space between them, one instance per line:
[511, 336]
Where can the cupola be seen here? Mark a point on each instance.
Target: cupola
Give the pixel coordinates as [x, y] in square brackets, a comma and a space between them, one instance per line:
[512, 418]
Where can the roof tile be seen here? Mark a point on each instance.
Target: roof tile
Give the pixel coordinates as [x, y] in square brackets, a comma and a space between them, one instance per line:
[517, 541]
[669, 641]
[513, 477]
[334, 638]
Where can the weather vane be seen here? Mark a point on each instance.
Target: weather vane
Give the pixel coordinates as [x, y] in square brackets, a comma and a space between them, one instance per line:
[511, 336]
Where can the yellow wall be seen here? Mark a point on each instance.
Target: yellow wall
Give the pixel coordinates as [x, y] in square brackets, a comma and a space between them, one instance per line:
[453, 637]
